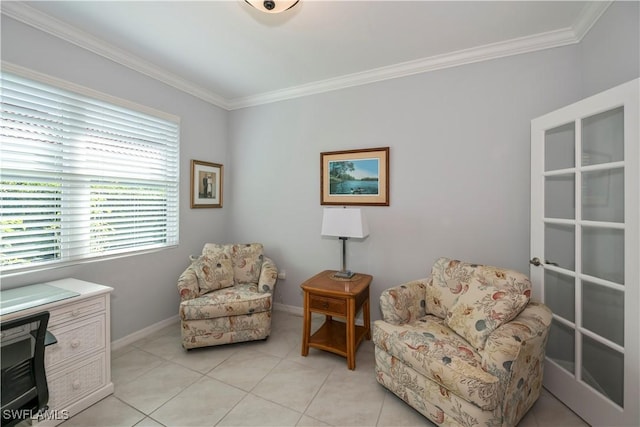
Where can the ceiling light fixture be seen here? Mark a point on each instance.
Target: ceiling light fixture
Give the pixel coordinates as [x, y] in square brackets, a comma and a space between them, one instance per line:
[272, 6]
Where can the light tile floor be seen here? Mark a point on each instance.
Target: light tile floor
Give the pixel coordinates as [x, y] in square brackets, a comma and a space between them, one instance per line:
[263, 383]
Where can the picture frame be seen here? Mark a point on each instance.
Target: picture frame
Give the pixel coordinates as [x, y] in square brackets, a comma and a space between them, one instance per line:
[206, 184]
[355, 177]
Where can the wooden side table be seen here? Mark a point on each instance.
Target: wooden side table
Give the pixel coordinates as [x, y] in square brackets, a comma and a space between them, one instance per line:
[340, 298]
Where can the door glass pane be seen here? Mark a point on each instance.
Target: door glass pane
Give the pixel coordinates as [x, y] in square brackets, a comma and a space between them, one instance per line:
[603, 369]
[603, 137]
[603, 195]
[559, 245]
[559, 294]
[559, 151]
[561, 346]
[603, 253]
[559, 196]
[603, 311]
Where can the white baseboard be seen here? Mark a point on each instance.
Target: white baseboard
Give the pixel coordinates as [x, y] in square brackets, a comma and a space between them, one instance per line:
[143, 333]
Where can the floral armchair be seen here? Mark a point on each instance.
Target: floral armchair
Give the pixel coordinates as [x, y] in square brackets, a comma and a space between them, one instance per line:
[464, 346]
[226, 295]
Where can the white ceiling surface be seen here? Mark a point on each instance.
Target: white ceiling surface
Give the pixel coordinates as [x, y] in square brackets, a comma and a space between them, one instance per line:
[232, 55]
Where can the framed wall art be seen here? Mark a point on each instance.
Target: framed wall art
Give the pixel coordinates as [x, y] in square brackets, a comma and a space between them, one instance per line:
[355, 177]
[206, 184]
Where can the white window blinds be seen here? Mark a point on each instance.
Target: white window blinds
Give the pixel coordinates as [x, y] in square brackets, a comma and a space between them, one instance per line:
[81, 177]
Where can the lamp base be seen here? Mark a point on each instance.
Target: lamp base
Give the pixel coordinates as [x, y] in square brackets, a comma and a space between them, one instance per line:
[344, 274]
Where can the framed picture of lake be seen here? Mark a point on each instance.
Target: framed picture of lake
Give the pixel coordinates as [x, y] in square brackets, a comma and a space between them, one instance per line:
[355, 177]
[206, 184]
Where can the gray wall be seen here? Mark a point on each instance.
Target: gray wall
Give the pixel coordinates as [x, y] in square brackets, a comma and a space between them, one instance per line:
[459, 169]
[459, 143]
[144, 285]
[610, 52]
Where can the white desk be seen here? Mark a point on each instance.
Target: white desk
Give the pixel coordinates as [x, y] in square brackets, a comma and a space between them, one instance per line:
[79, 365]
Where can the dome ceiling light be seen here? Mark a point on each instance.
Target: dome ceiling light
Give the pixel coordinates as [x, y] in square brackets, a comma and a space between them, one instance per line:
[272, 6]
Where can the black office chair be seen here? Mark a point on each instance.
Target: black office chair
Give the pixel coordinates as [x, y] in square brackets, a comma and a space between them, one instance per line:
[24, 382]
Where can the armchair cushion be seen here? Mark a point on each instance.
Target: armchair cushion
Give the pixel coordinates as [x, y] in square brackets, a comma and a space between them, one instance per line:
[247, 262]
[430, 348]
[246, 258]
[482, 309]
[214, 271]
[233, 301]
[450, 278]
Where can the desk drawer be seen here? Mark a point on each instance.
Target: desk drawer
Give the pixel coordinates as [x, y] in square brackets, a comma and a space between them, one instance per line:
[76, 381]
[328, 305]
[75, 339]
[77, 310]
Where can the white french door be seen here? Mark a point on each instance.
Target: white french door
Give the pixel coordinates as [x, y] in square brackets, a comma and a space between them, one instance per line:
[585, 238]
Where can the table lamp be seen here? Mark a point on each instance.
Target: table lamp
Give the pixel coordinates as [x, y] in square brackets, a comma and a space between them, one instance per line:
[344, 223]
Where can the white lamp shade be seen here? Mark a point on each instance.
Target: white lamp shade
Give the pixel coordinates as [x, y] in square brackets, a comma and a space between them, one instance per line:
[344, 222]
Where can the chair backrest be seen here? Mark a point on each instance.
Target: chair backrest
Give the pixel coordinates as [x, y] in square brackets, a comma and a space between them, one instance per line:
[449, 278]
[24, 382]
[246, 259]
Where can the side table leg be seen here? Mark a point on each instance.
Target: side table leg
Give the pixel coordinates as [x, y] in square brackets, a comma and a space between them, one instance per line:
[306, 326]
[351, 334]
[366, 315]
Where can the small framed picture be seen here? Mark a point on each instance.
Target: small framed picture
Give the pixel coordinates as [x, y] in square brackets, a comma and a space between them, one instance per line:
[206, 184]
[355, 177]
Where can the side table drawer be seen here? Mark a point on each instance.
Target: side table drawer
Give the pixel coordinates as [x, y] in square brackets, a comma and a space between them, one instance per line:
[334, 306]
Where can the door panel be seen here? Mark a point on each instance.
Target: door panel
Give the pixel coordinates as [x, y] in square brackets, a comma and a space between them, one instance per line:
[561, 346]
[559, 245]
[559, 147]
[603, 253]
[585, 215]
[603, 195]
[603, 137]
[559, 291]
[609, 324]
[560, 201]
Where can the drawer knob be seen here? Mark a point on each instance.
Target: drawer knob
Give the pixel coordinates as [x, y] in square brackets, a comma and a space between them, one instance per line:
[76, 384]
[325, 305]
[75, 313]
[75, 343]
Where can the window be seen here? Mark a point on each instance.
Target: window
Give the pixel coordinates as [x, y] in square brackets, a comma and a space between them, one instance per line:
[82, 176]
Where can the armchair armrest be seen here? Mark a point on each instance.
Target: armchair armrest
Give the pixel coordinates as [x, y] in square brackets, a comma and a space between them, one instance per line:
[188, 285]
[515, 353]
[404, 303]
[268, 276]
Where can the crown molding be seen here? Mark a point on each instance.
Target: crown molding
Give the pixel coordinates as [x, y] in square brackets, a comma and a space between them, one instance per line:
[438, 62]
[589, 16]
[41, 21]
[571, 35]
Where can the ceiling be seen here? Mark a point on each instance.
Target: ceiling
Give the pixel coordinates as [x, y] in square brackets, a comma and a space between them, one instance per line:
[234, 56]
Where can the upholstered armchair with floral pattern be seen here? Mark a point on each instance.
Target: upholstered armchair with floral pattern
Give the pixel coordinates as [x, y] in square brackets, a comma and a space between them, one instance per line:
[226, 295]
[465, 346]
